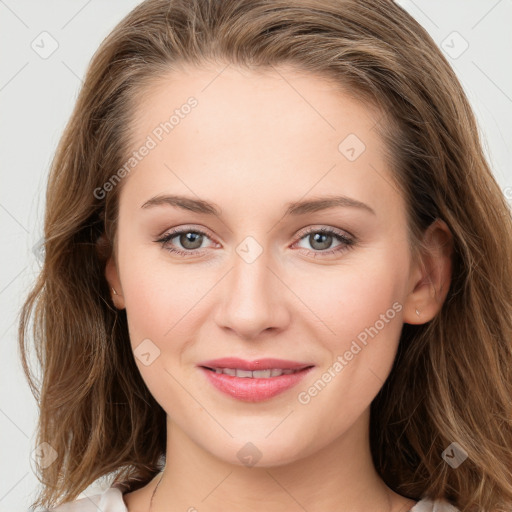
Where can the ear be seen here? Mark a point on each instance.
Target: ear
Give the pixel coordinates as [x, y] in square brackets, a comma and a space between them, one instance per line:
[112, 276]
[106, 254]
[431, 276]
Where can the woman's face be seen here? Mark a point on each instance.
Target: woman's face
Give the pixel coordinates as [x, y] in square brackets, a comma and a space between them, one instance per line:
[265, 150]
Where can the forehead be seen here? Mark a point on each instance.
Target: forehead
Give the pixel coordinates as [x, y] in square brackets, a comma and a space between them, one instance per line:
[241, 98]
[257, 135]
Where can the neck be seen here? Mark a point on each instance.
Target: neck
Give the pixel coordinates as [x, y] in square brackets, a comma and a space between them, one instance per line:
[341, 476]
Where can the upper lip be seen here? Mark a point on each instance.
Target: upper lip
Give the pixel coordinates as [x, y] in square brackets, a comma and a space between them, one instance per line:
[258, 364]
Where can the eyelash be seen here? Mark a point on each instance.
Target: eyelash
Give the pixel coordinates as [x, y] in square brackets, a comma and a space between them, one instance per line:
[347, 242]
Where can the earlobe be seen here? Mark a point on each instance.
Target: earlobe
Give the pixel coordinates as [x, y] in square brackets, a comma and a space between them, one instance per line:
[432, 275]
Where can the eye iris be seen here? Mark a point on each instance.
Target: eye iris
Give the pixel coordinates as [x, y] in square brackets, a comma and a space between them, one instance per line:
[191, 238]
[327, 240]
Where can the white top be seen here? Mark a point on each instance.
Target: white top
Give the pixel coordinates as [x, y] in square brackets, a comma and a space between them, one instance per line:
[111, 500]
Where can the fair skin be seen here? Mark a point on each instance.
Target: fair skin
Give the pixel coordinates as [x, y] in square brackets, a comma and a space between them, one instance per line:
[253, 144]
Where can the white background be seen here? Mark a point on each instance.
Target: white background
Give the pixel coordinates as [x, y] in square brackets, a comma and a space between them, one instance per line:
[36, 98]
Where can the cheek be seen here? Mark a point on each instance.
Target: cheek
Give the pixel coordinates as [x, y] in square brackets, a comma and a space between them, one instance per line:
[360, 307]
[165, 304]
[351, 297]
[159, 299]
[155, 292]
[364, 310]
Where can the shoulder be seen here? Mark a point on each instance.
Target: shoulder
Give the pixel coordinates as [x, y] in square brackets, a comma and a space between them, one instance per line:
[110, 500]
[426, 505]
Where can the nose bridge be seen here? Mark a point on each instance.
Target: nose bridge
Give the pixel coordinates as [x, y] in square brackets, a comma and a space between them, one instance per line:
[250, 274]
[252, 299]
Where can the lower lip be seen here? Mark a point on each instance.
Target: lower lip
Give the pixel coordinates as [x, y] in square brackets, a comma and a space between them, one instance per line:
[254, 390]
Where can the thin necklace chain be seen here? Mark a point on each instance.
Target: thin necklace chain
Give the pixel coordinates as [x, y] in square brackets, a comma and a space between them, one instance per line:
[154, 492]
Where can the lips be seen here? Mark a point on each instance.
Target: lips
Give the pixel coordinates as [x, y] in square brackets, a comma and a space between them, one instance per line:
[253, 381]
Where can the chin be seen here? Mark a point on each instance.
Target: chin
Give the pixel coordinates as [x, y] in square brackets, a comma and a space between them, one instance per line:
[258, 450]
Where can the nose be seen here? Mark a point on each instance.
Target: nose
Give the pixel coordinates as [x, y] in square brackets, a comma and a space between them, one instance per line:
[254, 298]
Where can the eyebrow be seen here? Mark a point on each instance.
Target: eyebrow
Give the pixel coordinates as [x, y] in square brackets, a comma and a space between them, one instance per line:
[293, 208]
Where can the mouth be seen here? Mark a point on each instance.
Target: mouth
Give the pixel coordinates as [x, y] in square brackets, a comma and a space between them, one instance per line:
[254, 381]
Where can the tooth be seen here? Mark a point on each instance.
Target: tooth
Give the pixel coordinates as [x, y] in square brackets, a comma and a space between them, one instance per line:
[261, 374]
[256, 374]
[243, 373]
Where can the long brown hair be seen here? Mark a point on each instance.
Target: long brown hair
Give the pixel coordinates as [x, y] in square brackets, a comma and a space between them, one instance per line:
[451, 381]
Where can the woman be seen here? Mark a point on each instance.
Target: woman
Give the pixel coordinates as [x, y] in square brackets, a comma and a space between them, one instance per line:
[278, 271]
